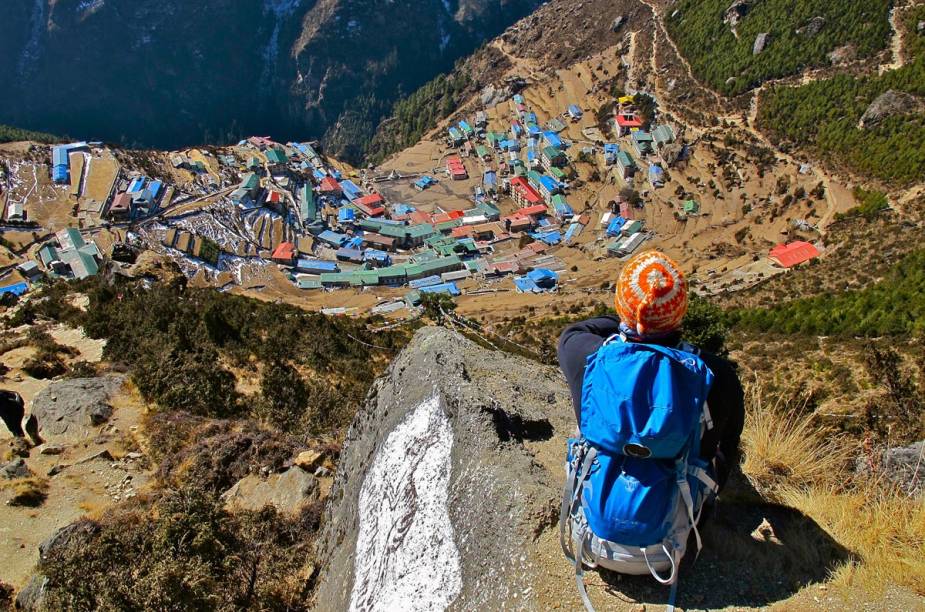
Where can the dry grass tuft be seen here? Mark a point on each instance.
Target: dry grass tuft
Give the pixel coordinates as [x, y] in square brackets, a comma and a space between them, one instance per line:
[791, 460]
[882, 527]
[30, 492]
[786, 450]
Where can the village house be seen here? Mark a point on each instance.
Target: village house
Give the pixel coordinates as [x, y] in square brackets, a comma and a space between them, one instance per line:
[642, 142]
[627, 121]
[626, 167]
[553, 157]
[523, 194]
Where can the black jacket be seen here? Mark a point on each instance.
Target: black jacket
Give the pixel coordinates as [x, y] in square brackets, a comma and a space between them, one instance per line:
[726, 398]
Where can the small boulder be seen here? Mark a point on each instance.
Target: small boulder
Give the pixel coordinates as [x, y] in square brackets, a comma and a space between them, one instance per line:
[761, 42]
[905, 466]
[618, 23]
[51, 449]
[16, 468]
[288, 492]
[812, 27]
[32, 595]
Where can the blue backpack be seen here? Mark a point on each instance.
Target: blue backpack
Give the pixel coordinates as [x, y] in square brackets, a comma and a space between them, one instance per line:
[635, 484]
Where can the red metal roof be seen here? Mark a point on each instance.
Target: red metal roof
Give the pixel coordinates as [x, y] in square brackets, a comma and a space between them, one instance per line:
[419, 217]
[789, 255]
[628, 120]
[530, 194]
[328, 184]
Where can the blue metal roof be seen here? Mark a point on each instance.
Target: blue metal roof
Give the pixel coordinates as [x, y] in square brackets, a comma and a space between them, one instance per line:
[333, 238]
[17, 289]
[350, 189]
[316, 265]
[449, 288]
[616, 224]
[346, 214]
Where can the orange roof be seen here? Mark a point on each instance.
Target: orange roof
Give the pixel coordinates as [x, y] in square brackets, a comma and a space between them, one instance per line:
[789, 255]
[370, 200]
[529, 211]
[328, 184]
[285, 251]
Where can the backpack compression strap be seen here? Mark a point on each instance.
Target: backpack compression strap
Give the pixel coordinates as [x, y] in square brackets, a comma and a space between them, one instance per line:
[571, 493]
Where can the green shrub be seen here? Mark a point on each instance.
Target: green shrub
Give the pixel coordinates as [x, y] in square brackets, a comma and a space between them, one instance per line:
[895, 306]
[182, 551]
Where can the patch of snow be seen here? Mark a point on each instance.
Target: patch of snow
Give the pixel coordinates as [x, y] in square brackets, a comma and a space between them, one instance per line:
[33, 48]
[406, 556]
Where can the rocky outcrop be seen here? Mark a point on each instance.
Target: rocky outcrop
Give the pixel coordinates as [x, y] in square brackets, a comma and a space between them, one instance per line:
[437, 492]
[288, 492]
[891, 103]
[73, 409]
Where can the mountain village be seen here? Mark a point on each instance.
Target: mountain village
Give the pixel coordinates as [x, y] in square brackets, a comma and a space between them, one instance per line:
[503, 205]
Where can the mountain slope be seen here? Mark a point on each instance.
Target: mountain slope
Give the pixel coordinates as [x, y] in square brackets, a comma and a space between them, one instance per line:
[170, 73]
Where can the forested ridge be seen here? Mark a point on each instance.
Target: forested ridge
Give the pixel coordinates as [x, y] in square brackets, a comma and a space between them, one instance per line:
[727, 62]
[824, 116]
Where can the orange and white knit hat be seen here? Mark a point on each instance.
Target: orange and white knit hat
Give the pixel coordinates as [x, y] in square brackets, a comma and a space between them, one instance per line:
[651, 294]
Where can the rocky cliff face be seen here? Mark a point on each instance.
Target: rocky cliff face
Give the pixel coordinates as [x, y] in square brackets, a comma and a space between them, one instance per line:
[439, 491]
[169, 73]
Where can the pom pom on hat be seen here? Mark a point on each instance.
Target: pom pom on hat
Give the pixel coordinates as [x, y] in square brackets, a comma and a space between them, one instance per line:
[651, 295]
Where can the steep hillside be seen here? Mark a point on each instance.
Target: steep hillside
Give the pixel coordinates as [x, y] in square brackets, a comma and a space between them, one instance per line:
[177, 73]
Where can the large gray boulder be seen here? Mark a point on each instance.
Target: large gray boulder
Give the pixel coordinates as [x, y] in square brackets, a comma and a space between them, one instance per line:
[761, 42]
[891, 103]
[437, 492]
[73, 409]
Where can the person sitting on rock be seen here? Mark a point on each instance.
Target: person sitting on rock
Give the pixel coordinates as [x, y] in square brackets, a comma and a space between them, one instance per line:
[12, 411]
[651, 301]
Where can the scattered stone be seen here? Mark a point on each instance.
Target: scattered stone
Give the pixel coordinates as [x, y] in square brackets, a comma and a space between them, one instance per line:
[765, 533]
[51, 449]
[920, 28]
[812, 27]
[891, 103]
[731, 81]
[288, 492]
[618, 23]
[309, 460]
[736, 11]
[761, 42]
[57, 469]
[103, 455]
[16, 468]
[70, 409]
[134, 456]
[322, 472]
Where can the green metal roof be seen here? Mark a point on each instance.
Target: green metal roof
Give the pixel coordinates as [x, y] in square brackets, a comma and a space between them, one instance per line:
[662, 134]
[251, 181]
[625, 160]
[690, 206]
[557, 173]
[551, 152]
[275, 156]
[309, 283]
[481, 150]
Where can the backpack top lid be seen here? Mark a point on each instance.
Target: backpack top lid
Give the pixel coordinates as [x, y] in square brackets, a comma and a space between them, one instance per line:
[643, 400]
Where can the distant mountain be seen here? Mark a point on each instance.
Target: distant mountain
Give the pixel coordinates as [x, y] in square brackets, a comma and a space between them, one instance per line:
[168, 73]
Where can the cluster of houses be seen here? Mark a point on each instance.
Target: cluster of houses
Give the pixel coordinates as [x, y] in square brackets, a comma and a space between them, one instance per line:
[657, 146]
